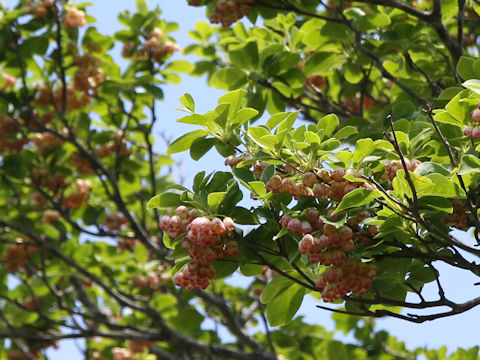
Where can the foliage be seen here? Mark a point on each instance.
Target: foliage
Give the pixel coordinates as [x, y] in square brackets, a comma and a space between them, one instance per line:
[346, 123]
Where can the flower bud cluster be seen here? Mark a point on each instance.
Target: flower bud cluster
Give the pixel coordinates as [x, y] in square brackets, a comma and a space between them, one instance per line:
[16, 255]
[139, 346]
[9, 81]
[79, 195]
[74, 99]
[473, 131]
[227, 12]
[74, 18]
[11, 138]
[118, 146]
[392, 166]
[233, 161]
[153, 280]
[81, 164]
[204, 239]
[155, 47]
[315, 82]
[115, 222]
[258, 166]
[458, 218]
[46, 141]
[351, 277]
[324, 184]
[42, 178]
[88, 75]
[119, 353]
[50, 216]
[362, 234]
[330, 248]
[40, 9]
[326, 245]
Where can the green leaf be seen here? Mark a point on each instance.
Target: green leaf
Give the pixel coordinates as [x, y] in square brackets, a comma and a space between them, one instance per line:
[373, 21]
[141, 254]
[311, 137]
[232, 101]
[363, 148]
[263, 137]
[455, 108]
[228, 79]
[444, 117]
[353, 74]
[34, 45]
[244, 115]
[328, 123]
[214, 199]
[469, 164]
[357, 198]
[423, 274]
[200, 147]
[142, 7]
[246, 57]
[449, 93]
[180, 66]
[345, 132]
[251, 269]
[224, 268]
[258, 188]
[155, 91]
[184, 142]
[428, 167]
[285, 305]
[243, 216]
[286, 124]
[436, 202]
[164, 200]
[274, 288]
[441, 185]
[336, 351]
[187, 101]
[276, 119]
[322, 63]
[473, 85]
[465, 67]
[243, 174]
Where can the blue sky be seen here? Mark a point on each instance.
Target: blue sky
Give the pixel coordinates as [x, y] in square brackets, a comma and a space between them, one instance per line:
[457, 331]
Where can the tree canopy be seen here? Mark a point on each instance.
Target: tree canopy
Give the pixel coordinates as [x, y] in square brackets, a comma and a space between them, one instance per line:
[349, 131]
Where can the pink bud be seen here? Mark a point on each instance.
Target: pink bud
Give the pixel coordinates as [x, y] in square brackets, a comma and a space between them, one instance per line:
[338, 174]
[321, 190]
[306, 243]
[165, 222]
[274, 184]
[324, 174]
[346, 233]
[476, 115]
[294, 226]
[476, 132]
[329, 229]
[218, 226]
[287, 186]
[285, 219]
[306, 227]
[182, 211]
[229, 223]
[309, 179]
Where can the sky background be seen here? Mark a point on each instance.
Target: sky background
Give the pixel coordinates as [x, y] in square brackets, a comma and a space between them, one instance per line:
[457, 331]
